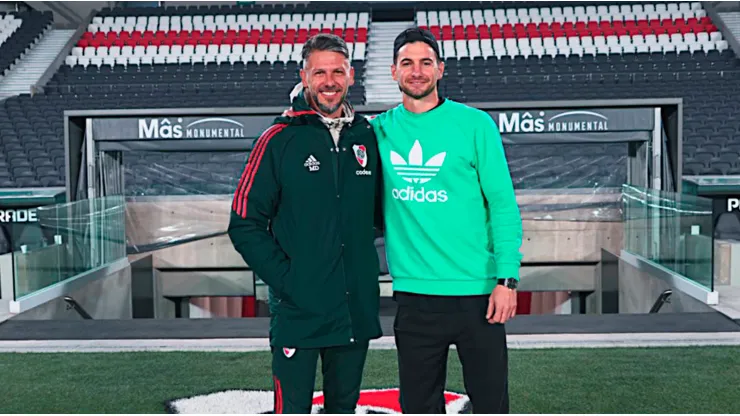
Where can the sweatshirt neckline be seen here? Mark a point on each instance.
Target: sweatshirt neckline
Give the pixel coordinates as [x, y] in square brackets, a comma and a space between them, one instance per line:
[434, 111]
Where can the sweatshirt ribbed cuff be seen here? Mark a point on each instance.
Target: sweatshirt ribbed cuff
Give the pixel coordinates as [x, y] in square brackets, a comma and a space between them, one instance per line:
[507, 270]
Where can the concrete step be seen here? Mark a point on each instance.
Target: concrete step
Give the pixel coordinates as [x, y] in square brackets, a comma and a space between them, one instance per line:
[386, 36]
[383, 43]
[371, 98]
[385, 96]
[34, 63]
[379, 75]
[384, 90]
[390, 24]
[383, 100]
[380, 87]
[385, 47]
[390, 29]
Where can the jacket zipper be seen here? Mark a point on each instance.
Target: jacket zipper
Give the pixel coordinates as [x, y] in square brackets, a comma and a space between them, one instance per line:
[335, 165]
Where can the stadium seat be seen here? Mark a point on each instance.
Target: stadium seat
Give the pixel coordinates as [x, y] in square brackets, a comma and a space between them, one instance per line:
[575, 31]
[18, 31]
[187, 57]
[590, 51]
[249, 55]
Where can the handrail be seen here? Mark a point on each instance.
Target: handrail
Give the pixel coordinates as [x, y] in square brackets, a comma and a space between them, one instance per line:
[664, 297]
[146, 248]
[72, 304]
[38, 87]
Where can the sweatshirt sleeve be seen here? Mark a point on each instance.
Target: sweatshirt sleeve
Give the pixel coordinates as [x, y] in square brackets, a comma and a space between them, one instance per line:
[253, 207]
[498, 190]
[379, 190]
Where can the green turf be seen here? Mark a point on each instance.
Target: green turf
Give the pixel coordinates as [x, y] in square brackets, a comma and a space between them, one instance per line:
[661, 380]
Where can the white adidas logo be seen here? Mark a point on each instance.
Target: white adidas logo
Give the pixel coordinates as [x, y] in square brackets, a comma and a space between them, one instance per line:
[312, 164]
[417, 172]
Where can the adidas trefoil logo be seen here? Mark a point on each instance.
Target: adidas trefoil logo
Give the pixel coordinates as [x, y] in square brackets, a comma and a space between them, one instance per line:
[415, 170]
[312, 164]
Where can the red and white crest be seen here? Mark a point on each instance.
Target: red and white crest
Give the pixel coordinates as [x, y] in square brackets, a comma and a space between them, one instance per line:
[255, 402]
[360, 154]
[288, 352]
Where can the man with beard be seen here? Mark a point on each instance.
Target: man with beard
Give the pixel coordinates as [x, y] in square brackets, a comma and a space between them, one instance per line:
[453, 232]
[303, 219]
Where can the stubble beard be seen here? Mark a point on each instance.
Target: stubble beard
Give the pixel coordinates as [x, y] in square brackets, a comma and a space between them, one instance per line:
[418, 96]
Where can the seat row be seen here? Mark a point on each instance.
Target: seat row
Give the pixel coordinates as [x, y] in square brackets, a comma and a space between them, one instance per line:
[279, 36]
[18, 31]
[188, 54]
[226, 8]
[230, 22]
[577, 37]
[8, 25]
[612, 12]
[357, 52]
[569, 29]
[472, 48]
[177, 50]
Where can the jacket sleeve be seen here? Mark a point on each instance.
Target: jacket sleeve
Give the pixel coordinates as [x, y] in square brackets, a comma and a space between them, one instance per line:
[253, 207]
[498, 190]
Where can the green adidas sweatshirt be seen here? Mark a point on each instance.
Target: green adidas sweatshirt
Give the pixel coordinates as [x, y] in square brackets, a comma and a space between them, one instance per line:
[452, 224]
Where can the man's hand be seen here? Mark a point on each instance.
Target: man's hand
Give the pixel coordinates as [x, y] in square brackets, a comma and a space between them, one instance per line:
[501, 305]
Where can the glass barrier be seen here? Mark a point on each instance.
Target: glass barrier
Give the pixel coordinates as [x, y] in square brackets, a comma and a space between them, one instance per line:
[177, 197]
[18, 218]
[154, 173]
[79, 237]
[672, 230]
[569, 166]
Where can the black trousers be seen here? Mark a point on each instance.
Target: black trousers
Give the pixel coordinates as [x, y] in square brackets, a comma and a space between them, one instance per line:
[425, 327]
[294, 376]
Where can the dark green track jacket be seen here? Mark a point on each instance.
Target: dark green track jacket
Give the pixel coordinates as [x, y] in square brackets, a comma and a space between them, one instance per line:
[303, 219]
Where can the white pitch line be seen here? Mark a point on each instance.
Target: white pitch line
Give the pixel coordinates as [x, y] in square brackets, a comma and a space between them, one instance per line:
[537, 341]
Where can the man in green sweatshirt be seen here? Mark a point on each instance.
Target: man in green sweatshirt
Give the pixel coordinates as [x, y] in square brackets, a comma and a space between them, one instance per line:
[303, 219]
[453, 233]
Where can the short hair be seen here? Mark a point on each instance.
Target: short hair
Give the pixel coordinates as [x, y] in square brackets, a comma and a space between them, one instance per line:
[324, 42]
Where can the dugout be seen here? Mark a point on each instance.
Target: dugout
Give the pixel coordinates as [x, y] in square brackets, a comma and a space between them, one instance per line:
[724, 192]
[20, 231]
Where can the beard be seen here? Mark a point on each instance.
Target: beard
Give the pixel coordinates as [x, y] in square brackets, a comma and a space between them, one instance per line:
[417, 96]
[326, 108]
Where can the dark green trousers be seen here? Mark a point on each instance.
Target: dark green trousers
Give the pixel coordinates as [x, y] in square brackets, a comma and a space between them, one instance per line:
[294, 375]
